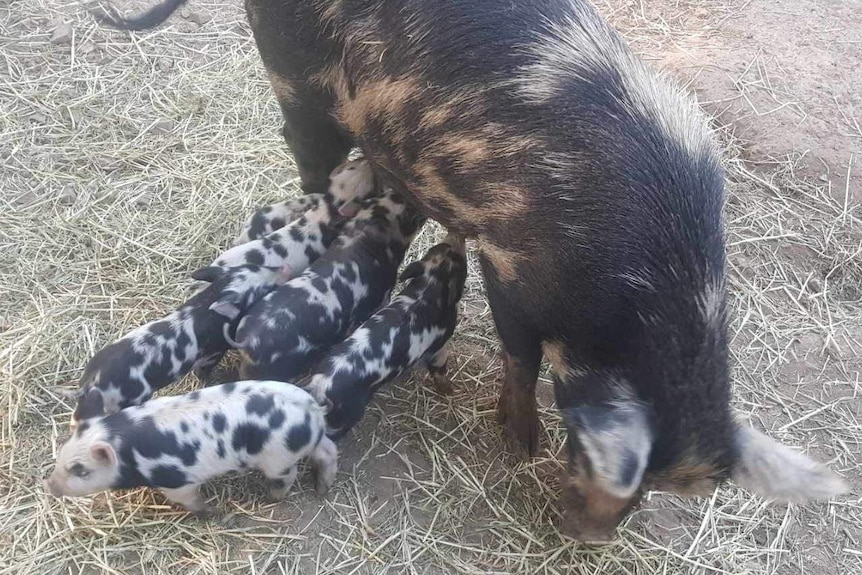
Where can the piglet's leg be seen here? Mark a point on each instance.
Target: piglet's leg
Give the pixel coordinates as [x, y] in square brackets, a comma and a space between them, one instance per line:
[280, 483]
[204, 367]
[325, 458]
[189, 496]
[438, 368]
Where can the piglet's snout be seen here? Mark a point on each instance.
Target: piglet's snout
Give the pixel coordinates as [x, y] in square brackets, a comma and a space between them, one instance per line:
[53, 487]
[349, 209]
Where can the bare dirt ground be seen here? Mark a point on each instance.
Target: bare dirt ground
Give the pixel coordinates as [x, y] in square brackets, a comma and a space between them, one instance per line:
[130, 160]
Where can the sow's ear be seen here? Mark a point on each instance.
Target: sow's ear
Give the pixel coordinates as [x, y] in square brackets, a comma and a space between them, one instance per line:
[775, 471]
[616, 440]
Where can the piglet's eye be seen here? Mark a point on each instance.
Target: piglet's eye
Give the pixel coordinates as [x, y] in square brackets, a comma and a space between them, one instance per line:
[79, 470]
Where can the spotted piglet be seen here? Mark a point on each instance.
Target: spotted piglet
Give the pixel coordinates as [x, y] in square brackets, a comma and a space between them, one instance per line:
[349, 182]
[178, 443]
[414, 328]
[275, 216]
[300, 242]
[287, 330]
[128, 371]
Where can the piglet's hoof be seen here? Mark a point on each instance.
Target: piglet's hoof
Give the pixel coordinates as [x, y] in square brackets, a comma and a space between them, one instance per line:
[203, 514]
[322, 483]
[441, 384]
[521, 426]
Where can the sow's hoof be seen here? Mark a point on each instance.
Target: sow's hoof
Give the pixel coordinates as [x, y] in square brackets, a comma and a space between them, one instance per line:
[521, 426]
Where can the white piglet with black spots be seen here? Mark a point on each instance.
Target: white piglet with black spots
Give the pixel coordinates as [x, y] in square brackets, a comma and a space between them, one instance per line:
[275, 216]
[413, 329]
[178, 443]
[192, 337]
[280, 337]
[348, 183]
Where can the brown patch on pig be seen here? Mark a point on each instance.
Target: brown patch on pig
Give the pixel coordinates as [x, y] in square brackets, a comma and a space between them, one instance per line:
[504, 261]
[470, 104]
[507, 141]
[689, 477]
[465, 149]
[436, 116]
[492, 143]
[384, 97]
[435, 193]
[332, 78]
[589, 513]
[508, 201]
[504, 201]
[555, 353]
[516, 407]
[283, 88]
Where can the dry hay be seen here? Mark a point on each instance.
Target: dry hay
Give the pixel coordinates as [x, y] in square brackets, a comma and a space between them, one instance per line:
[130, 160]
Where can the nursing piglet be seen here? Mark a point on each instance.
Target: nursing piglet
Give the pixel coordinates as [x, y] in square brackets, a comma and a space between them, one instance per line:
[153, 356]
[348, 183]
[414, 328]
[288, 329]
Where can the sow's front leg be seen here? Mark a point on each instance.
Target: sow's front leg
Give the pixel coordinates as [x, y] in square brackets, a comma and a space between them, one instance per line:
[291, 45]
[522, 358]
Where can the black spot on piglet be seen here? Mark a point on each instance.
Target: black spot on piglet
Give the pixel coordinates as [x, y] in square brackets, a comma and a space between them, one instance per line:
[254, 257]
[298, 436]
[219, 422]
[90, 405]
[82, 428]
[276, 418]
[167, 476]
[259, 404]
[249, 437]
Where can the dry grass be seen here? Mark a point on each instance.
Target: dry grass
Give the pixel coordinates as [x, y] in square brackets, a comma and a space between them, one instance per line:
[101, 219]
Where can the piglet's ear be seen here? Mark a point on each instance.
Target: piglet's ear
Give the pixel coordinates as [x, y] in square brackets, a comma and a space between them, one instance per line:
[207, 274]
[617, 440]
[413, 270]
[90, 404]
[286, 272]
[104, 453]
[778, 472]
[226, 309]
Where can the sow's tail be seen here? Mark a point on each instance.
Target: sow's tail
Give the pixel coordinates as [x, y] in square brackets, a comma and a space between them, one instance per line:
[149, 19]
